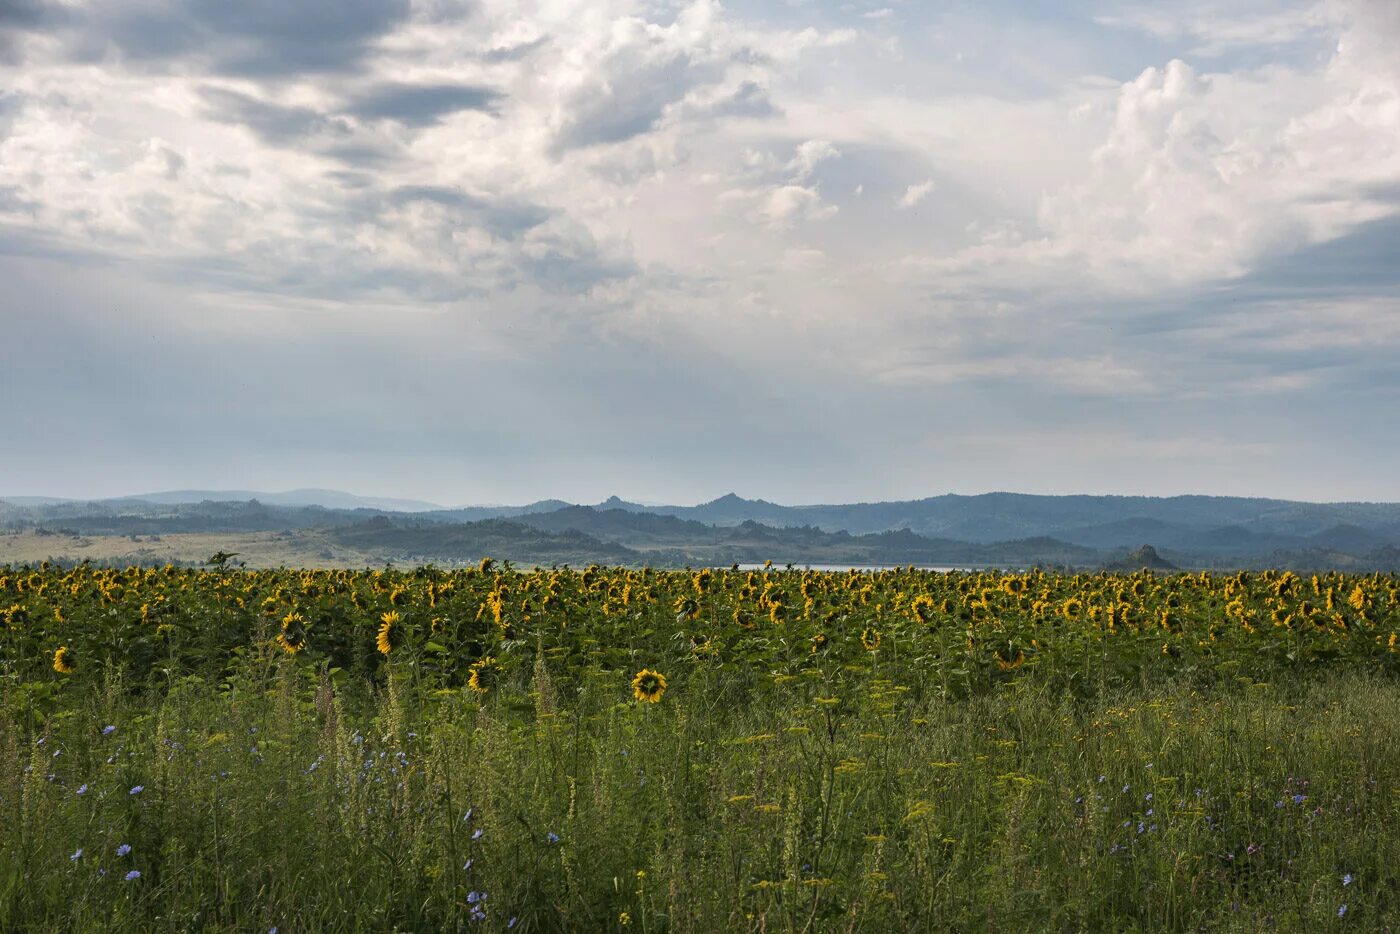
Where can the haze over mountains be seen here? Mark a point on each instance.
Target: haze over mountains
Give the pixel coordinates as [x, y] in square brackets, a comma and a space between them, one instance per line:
[987, 529]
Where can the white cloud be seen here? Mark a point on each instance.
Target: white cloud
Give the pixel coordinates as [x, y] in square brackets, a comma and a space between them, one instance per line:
[916, 193]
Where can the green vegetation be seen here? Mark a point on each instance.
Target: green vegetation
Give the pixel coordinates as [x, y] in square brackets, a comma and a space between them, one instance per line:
[427, 750]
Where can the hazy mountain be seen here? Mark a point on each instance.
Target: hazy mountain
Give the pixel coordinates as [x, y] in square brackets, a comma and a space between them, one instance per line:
[995, 528]
[326, 499]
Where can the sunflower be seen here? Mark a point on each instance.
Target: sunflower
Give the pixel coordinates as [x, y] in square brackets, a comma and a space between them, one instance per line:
[687, 609]
[776, 612]
[921, 607]
[1073, 608]
[63, 661]
[390, 632]
[484, 674]
[292, 638]
[819, 643]
[648, 686]
[1009, 664]
[870, 638]
[701, 580]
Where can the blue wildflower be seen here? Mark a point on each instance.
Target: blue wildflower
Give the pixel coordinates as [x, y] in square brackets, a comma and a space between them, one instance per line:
[82, 789]
[124, 849]
[133, 875]
[136, 789]
[77, 854]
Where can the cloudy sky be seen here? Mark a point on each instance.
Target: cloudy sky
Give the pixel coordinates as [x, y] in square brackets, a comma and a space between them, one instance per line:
[810, 250]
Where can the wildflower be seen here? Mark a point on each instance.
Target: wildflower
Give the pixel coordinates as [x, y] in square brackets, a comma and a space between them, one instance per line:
[623, 918]
[476, 834]
[1346, 879]
[1342, 911]
[136, 789]
[473, 897]
[124, 849]
[390, 632]
[648, 686]
[108, 730]
[64, 661]
[552, 837]
[1299, 799]
[82, 789]
[133, 875]
[77, 854]
[870, 639]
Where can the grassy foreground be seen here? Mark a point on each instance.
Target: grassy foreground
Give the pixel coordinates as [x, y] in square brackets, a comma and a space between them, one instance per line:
[281, 802]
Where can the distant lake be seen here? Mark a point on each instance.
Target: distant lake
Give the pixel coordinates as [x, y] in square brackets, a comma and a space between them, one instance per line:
[858, 567]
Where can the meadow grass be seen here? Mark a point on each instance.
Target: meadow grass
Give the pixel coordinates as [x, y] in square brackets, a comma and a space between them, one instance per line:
[279, 797]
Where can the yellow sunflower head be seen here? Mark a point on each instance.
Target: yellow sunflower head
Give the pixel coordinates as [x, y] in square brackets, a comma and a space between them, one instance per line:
[921, 608]
[484, 675]
[648, 686]
[64, 661]
[870, 638]
[292, 638]
[390, 632]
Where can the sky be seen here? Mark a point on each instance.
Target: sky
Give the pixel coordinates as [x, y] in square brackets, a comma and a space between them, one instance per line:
[492, 251]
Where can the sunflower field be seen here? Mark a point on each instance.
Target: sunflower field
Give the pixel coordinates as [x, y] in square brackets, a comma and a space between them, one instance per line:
[698, 750]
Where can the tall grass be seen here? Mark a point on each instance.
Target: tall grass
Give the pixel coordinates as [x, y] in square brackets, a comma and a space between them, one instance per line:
[280, 798]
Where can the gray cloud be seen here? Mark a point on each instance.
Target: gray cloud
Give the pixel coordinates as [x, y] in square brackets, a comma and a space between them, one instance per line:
[421, 105]
[504, 218]
[277, 124]
[17, 17]
[627, 102]
[255, 38]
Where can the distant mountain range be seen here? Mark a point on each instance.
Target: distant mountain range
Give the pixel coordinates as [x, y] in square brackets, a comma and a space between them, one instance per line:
[326, 499]
[993, 528]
